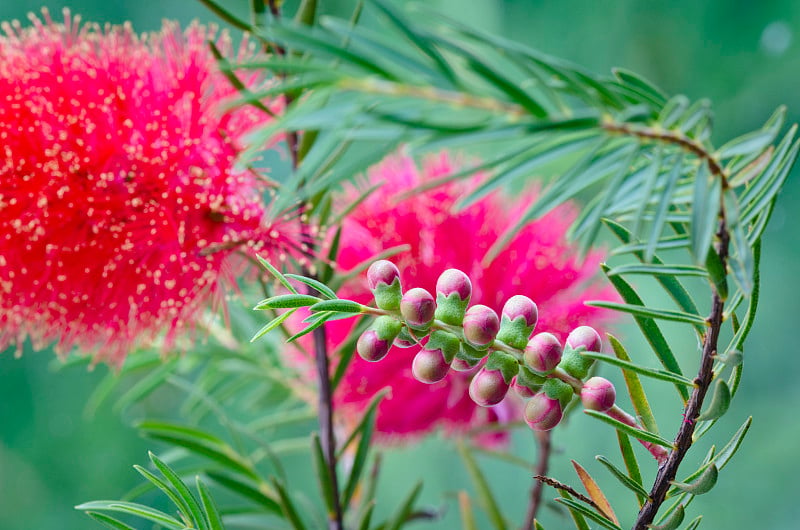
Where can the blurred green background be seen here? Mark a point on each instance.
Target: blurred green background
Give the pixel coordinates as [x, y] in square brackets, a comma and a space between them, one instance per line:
[744, 56]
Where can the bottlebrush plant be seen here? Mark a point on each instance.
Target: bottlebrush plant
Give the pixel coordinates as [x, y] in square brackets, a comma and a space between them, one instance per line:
[441, 292]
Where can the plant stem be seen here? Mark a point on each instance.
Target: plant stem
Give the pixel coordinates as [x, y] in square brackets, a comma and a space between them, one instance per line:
[544, 440]
[325, 396]
[683, 440]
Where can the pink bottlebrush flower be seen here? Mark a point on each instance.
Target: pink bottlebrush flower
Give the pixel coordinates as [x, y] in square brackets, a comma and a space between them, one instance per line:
[119, 199]
[538, 263]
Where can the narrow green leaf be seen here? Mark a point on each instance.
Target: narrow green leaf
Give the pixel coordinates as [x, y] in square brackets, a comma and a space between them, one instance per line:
[727, 452]
[146, 385]
[703, 484]
[650, 179]
[695, 523]
[482, 488]
[624, 479]
[755, 203]
[720, 402]
[705, 208]
[673, 521]
[109, 521]
[639, 434]
[417, 39]
[130, 508]
[496, 78]
[717, 274]
[306, 12]
[209, 507]
[588, 226]
[659, 269]
[650, 330]
[752, 142]
[401, 515]
[673, 110]
[323, 289]
[338, 306]
[363, 431]
[276, 274]
[586, 512]
[246, 490]
[323, 317]
[641, 84]
[672, 285]
[176, 499]
[324, 477]
[577, 517]
[215, 450]
[226, 15]
[635, 390]
[320, 43]
[189, 502]
[647, 312]
[287, 505]
[627, 366]
[696, 113]
[366, 517]
[286, 301]
[629, 457]
[272, 324]
[660, 219]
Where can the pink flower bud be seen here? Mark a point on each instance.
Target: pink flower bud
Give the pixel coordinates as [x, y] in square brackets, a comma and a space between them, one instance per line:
[488, 388]
[371, 348]
[584, 336]
[429, 366]
[543, 353]
[417, 307]
[454, 281]
[382, 272]
[598, 394]
[480, 325]
[521, 306]
[542, 413]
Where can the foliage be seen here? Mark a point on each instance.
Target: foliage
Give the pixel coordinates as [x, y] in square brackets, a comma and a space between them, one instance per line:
[679, 207]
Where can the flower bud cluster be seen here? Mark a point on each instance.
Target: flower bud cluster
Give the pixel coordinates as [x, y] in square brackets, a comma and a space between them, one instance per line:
[502, 349]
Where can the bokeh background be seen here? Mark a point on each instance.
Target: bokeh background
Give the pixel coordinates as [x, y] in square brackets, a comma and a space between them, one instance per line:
[744, 56]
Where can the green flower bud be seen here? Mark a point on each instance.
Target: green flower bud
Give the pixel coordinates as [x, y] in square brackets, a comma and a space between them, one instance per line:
[383, 278]
[558, 389]
[586, 337]
[518, 320]
[371, 348]
[417, 307]
[543, 353]
[453, 291]
[543, 413]
[598, 394]
[488, 387]
[429, 366]
[480, 326]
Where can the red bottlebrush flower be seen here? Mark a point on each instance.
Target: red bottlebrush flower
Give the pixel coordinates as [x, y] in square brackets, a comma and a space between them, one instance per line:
[119, 199]
[537, 263]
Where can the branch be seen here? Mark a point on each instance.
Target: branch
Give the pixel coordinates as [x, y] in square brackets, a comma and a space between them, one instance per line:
[544, 439]
[683, 441]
